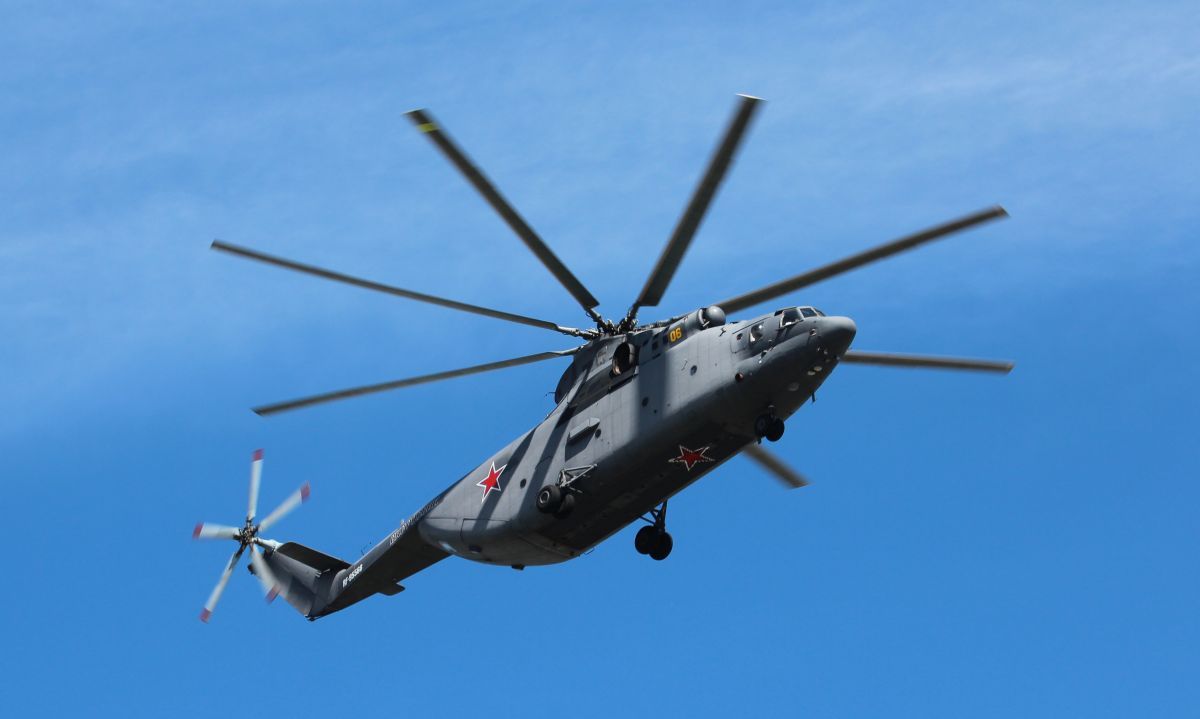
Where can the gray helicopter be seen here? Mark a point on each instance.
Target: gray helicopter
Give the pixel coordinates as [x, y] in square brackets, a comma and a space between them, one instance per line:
[643, 410]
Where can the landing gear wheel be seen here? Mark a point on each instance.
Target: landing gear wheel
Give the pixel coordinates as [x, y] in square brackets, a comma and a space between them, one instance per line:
[662, 547]
[645, 540]
[565, 506]
[768, 426]
[550, 498]
[762, 425]
[654, 539]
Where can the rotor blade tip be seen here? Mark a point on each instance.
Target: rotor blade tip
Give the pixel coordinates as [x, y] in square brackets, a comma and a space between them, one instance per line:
[750, 97]
[258, 454]
[204, 615]
[421, 119]
[272, 594]
[304, 492]
[196, 530]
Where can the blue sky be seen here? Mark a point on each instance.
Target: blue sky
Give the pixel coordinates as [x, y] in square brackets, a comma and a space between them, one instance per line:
[971, 545]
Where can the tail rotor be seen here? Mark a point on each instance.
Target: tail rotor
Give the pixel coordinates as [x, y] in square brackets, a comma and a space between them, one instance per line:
[248, 537]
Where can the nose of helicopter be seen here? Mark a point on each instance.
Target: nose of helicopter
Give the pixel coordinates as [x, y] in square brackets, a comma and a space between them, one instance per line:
[837, 333]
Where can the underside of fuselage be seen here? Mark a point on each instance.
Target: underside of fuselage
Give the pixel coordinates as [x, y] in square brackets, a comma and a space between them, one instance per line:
[624, 442]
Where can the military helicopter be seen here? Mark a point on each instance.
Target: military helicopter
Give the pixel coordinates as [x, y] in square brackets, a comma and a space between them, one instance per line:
[643, 410]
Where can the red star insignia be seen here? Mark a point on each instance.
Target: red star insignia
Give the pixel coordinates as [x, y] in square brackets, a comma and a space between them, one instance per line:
[691, 457]
[490, 482]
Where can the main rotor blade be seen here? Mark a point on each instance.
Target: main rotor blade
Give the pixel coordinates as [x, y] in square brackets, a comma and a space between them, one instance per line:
[295, 499]
[693, 215]
[213, 598]
[783, 287]
[214, 531]
[431, 129]
[389, 289]
[779, 469]
[411, 381]
[255, 482]
[898, 360]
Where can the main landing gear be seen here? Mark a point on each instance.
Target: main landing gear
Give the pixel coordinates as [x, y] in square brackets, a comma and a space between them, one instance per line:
[769, 427]
[654, 539]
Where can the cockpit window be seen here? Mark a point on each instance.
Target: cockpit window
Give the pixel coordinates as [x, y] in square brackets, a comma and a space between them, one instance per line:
[756, 332]
[808, 312]
[788, 317]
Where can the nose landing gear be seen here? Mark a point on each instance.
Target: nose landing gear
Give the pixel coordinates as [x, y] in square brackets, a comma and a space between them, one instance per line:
[768, 426]
[654, 540]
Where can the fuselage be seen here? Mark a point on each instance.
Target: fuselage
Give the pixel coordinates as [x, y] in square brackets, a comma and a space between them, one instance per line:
[638, 418]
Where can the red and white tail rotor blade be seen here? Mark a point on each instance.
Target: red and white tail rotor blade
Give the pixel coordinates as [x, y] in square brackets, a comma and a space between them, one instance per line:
[266, 577]
[294, 500]
[218, 590]
[214, 531]
[255, 481]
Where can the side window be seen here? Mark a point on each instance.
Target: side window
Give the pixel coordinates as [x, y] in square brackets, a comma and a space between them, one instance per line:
[756, 333]
[789, 317]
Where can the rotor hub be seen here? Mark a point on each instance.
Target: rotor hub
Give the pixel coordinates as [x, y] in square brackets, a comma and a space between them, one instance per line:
[247, 535]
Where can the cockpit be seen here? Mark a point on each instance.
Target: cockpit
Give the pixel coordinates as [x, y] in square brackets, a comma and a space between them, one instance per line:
[792, 315]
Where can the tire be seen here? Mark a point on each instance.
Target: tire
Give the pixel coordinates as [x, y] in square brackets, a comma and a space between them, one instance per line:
[662, 547]
[549, 498]
[565, 506]
[775, 430]
[645, 539]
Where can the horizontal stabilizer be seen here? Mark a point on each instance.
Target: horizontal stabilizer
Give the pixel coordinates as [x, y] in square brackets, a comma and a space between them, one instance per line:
[313, 558]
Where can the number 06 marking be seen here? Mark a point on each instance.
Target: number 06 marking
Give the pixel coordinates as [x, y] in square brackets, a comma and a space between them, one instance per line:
[675, 334]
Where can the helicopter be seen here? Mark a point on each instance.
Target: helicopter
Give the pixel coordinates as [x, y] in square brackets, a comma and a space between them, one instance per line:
[643, 410]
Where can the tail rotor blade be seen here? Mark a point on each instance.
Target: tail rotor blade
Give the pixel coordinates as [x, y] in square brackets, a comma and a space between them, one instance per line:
[295, 499]
[255, 481]
[779, 469]
[215, 597]
[266, 577]
[214, 531]
[889, 359]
